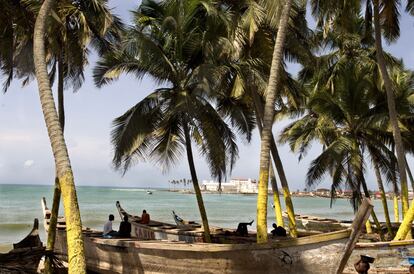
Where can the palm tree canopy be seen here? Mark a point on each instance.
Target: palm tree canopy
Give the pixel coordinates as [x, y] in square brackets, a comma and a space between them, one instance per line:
[73, 28]
[170, 41]
[346, 111]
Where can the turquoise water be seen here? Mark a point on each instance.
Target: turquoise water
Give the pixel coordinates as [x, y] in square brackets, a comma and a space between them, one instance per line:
[19, 205]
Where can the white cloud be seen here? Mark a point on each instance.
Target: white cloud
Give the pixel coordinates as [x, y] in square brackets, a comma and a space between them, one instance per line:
[28, 163]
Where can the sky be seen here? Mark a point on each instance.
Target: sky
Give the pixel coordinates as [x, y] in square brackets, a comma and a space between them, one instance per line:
[26, 156]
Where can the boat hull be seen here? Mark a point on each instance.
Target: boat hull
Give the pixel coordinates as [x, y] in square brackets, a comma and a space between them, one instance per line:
[26, 254]
[146, 232]
[306, 255]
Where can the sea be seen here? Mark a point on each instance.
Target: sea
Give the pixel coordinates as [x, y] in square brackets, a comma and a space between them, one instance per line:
[20, 205]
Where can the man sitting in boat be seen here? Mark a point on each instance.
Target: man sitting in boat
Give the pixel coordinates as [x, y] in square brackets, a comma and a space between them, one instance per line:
[278, 231]
[145, 217]
[242, 229]
[107, 231]
[125, 228]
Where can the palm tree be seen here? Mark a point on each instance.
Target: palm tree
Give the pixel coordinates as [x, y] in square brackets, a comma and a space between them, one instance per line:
[268, 116]
[77, 27]
[346, 43]
[386, 20]
[76, 254]
[247, 72]
[390, 95]
[340, 116]
[169, 41]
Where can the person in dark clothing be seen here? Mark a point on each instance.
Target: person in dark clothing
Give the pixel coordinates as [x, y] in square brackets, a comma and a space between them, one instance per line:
[242, 229]
[125, 228]
[278, 231]
[362, 267]
[145, 217]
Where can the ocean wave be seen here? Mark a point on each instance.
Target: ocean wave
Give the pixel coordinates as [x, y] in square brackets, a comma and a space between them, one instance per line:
[15, 226]
[130, 189]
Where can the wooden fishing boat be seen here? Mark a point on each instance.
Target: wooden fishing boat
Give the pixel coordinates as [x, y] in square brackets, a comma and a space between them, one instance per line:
[317, 224]
[26, 254]
[182, 230]
[325, 253]
[314, 225]
[190, 232]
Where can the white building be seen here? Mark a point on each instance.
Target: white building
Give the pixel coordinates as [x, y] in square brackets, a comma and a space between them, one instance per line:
[213, 186]
[245, 185]
[237, 185]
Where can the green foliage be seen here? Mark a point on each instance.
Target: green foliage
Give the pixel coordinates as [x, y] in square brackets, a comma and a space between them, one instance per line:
[74, 27]
[171, 42]
[346, 111]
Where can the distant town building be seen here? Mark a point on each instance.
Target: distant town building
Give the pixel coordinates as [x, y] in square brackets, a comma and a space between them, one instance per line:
[236, 185]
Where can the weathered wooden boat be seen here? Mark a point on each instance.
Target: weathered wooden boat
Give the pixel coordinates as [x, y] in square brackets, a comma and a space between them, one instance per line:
[390, 257]
[325, 253]
[25, 255]
[189, 233]
[186, 231]
[317, 224]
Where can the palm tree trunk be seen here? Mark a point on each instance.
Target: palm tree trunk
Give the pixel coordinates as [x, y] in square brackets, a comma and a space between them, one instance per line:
[279, 166]
[76, 252]
[269, 110]
[392, 111]
[51, 236]
[285, 187]
[396, 192]
[396, 208]
[195, 184]
[276, 200]
[368, 227]
[373, 215]
[383, 199]
[410, 175]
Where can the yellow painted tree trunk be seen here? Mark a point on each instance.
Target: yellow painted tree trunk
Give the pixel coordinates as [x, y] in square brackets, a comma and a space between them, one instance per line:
[76, 253]
[368, 227]
[276, 198]
[278, 164]
[396, 209]
[273, 85]
[51, 235]
[405, 227]
[286, 191]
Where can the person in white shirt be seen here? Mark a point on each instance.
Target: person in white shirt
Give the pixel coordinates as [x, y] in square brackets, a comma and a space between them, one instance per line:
[108, 226]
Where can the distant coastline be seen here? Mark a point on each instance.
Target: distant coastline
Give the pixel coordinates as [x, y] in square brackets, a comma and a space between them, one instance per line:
[312, 194]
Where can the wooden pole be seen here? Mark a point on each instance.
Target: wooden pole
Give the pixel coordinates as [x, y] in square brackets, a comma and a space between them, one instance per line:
[360, 219]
